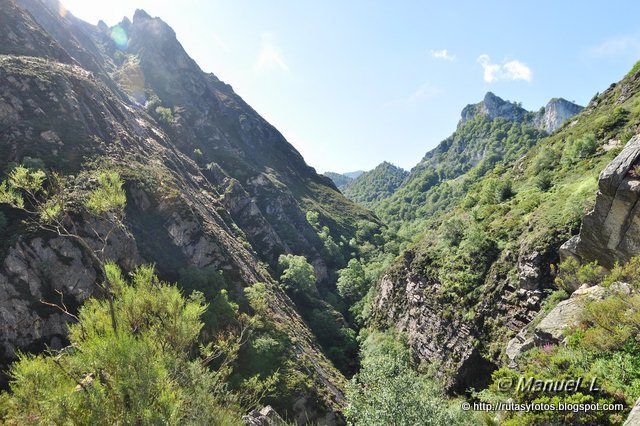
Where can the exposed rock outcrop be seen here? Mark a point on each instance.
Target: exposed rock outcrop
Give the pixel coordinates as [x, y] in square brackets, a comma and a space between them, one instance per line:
[493, 107]
[555, 113]
[611, 231]
[634, 415]
[264, 417]
[551, 329]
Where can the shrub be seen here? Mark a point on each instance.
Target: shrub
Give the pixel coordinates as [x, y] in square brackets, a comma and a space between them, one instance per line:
[580, 148]
[572, 275]
[165, 115]
[140, 374]
[544, 181]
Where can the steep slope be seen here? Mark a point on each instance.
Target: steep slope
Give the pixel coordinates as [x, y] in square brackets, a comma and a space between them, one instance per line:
[339, 180]
[375, 185]
[490, 237]
[209, 182]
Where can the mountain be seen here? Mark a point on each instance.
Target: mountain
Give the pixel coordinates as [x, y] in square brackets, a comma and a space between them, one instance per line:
[339, 180]
[555, 113]
[375, 185]
[210, 185]
[486, 238]
[354, 175]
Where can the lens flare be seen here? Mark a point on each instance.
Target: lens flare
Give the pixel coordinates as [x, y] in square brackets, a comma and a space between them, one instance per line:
[119, 37]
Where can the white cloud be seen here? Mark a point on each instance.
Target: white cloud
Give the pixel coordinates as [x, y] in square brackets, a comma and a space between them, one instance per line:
[617, 46]
[270, 57]
[442, 54]
[511, 70]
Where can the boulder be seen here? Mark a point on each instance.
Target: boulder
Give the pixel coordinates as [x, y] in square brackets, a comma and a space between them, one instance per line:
[611, 231]
[551, 329]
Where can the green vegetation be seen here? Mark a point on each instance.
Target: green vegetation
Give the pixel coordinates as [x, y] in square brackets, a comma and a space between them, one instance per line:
[165, 115]
[604, 345]
[339, 180]
[297, 274]
[375, 185]
[388, 391]
[142, 372]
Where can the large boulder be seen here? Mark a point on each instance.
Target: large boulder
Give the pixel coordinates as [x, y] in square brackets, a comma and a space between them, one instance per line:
[611, 231]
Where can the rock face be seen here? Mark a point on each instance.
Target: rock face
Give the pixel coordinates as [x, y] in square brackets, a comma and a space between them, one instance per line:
[549, 118]
[494, 107]
[265, 417]
[210, 183]
[405, 302]
[611, 231]
[634, 415]
[566, 314]
[557, 111]
[550, 330]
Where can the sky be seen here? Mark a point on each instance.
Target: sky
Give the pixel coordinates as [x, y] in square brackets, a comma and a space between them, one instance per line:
[353, 83]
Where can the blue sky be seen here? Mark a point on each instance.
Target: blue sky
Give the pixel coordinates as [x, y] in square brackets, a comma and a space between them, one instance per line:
[354, 83]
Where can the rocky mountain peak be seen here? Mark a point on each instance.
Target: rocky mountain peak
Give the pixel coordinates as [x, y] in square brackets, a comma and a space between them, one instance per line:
[556, 112]
[141, 14]
[493, 106]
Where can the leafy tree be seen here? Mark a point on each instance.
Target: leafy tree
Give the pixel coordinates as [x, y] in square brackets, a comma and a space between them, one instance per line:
[352, 282]
[297, 274]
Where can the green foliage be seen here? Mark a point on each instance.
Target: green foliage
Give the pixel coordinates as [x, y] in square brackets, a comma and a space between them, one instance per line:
[579, 148]
[297, 274]
[165, 115]
[375, 185]
[331, 251]
[544, 180]
[139, 374]
[387, 391]
[221, 312]
[571, 274]
[109, 197]
[352, 282]
[603, 345]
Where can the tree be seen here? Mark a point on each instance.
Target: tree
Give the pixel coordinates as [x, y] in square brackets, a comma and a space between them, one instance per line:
[352, 282]
[297, 274]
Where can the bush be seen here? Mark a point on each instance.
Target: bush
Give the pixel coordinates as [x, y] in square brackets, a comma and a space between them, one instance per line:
[571, 275]
[140, 374]
[165, 115]
[580, 148]
[544, 181]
